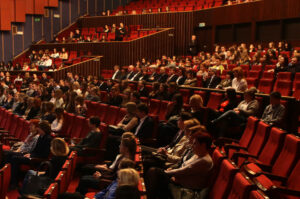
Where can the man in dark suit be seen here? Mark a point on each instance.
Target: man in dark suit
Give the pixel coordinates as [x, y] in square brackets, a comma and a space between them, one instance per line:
[117, 74]
[114, 98]
[193, 46]
[130, 72]
[120, 32]
[212, 80]
[173, 77]
[145, 128]
[102, 84]
[163, 75]
[154, 75]
[137, 75]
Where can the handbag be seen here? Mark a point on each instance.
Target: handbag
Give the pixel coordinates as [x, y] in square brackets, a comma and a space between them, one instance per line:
[36, 185]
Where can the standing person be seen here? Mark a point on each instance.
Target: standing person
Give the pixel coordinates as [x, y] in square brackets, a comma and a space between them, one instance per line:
[193, 46]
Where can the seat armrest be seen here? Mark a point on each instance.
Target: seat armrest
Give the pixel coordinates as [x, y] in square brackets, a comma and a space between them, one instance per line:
[223, 140]
[236, 155]
[278, 191]
[231, 146]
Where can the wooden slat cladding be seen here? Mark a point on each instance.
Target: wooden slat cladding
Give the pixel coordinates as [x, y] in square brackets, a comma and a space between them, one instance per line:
[123, 53]
[182, 22]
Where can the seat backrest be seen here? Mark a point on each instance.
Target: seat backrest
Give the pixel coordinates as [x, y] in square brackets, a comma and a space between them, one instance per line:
[77, 127]
[257, 194]
[85, 129]
[294, 179]
[20, 124]
[154, 106]
[259, 139]
[25, 130]
[240, 188]
[8, 121]
[267, 75]
[223, 182]
[51, 192]
[202, 94]
[70, 126]
[4, 118]
[112, 115]
[288, 156]
[284, 76]
[67, 167]
[214, 100]
[283, 86]
[163, 110]
[13, 126]
[121, 115]
[265, 85]
[249, 132]
[274, 144]
[104, 131]
[61, 180]
[185, 95]
[5, 179]
[102, 111]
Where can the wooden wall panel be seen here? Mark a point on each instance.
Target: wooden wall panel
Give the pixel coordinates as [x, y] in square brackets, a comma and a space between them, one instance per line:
[182, 23]
[6, 14]
[39, 6]
[52, 3]
[20, 11]
[123, 53]
[29, 6]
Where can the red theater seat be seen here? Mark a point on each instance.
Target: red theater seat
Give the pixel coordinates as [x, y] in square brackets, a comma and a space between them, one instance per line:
[241, 187]
[265, 85]
[283, 86]
[214, 100]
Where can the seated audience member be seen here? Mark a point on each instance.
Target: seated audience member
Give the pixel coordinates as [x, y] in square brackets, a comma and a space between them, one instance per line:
[163, 76]
[218, 66]
[173, 76]
[162, 93]
[57, 99]
[191, 79]
[127, 192]
[227, 82]
[54, 54]
[92, 140]
[47, 112]
[59, 150]
[238, 116]
[121, 32]
[8, 102]
[70, 102]
[114, 97]
[21, 104]
[64, 55]
[212, 80]
[80, 108]
[135, 97]
[102, 84]
[196, 103]
[174, 108]
[94, 175]
[46, 63]
[130, 72]
[29, 143]
[57, 124]
[106, 29]
[172, 90]
[33, 111]
[128, 123]
[294, 65]
[274, 113]
[93, 95]
[282, 64]
[117, 73]
[155, 91]
[137, 75]
[193, 46]
[154, 75]
[146, 124]
[239, 83]
[194, 173]
[142, 89]
[41, 150]
[180, 76]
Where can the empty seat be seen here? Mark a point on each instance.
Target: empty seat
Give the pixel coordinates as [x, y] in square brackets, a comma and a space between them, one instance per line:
[241, 187]
[256, 68]
[251, 82]
[283, 86]
[214, 100]
[296, 92]
[284, 76]
[154, 106]
[265, 85]
[268, 75]
[185, 95]
[288, 157]
[223, 182]
[121, 115]
[260, 137]
[163, 110]
[112, 114]
[77, 127]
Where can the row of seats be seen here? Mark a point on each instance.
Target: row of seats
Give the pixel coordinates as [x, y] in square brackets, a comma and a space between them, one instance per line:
[262, 151]
[173, 6]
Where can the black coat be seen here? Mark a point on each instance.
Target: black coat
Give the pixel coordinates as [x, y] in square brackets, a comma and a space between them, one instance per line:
[172, 78]
[193, 48]
[118, 75]
[155, 77]
[146, 130]
[162, 78]
[208, 83]
[42, 147]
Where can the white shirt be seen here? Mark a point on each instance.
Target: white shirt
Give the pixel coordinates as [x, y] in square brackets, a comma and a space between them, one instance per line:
[239, 85]
[54, 55]
[115, 74]
[56, 125]
[140, 125]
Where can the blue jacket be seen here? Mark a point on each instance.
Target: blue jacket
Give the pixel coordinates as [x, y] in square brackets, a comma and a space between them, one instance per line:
[109, 192]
